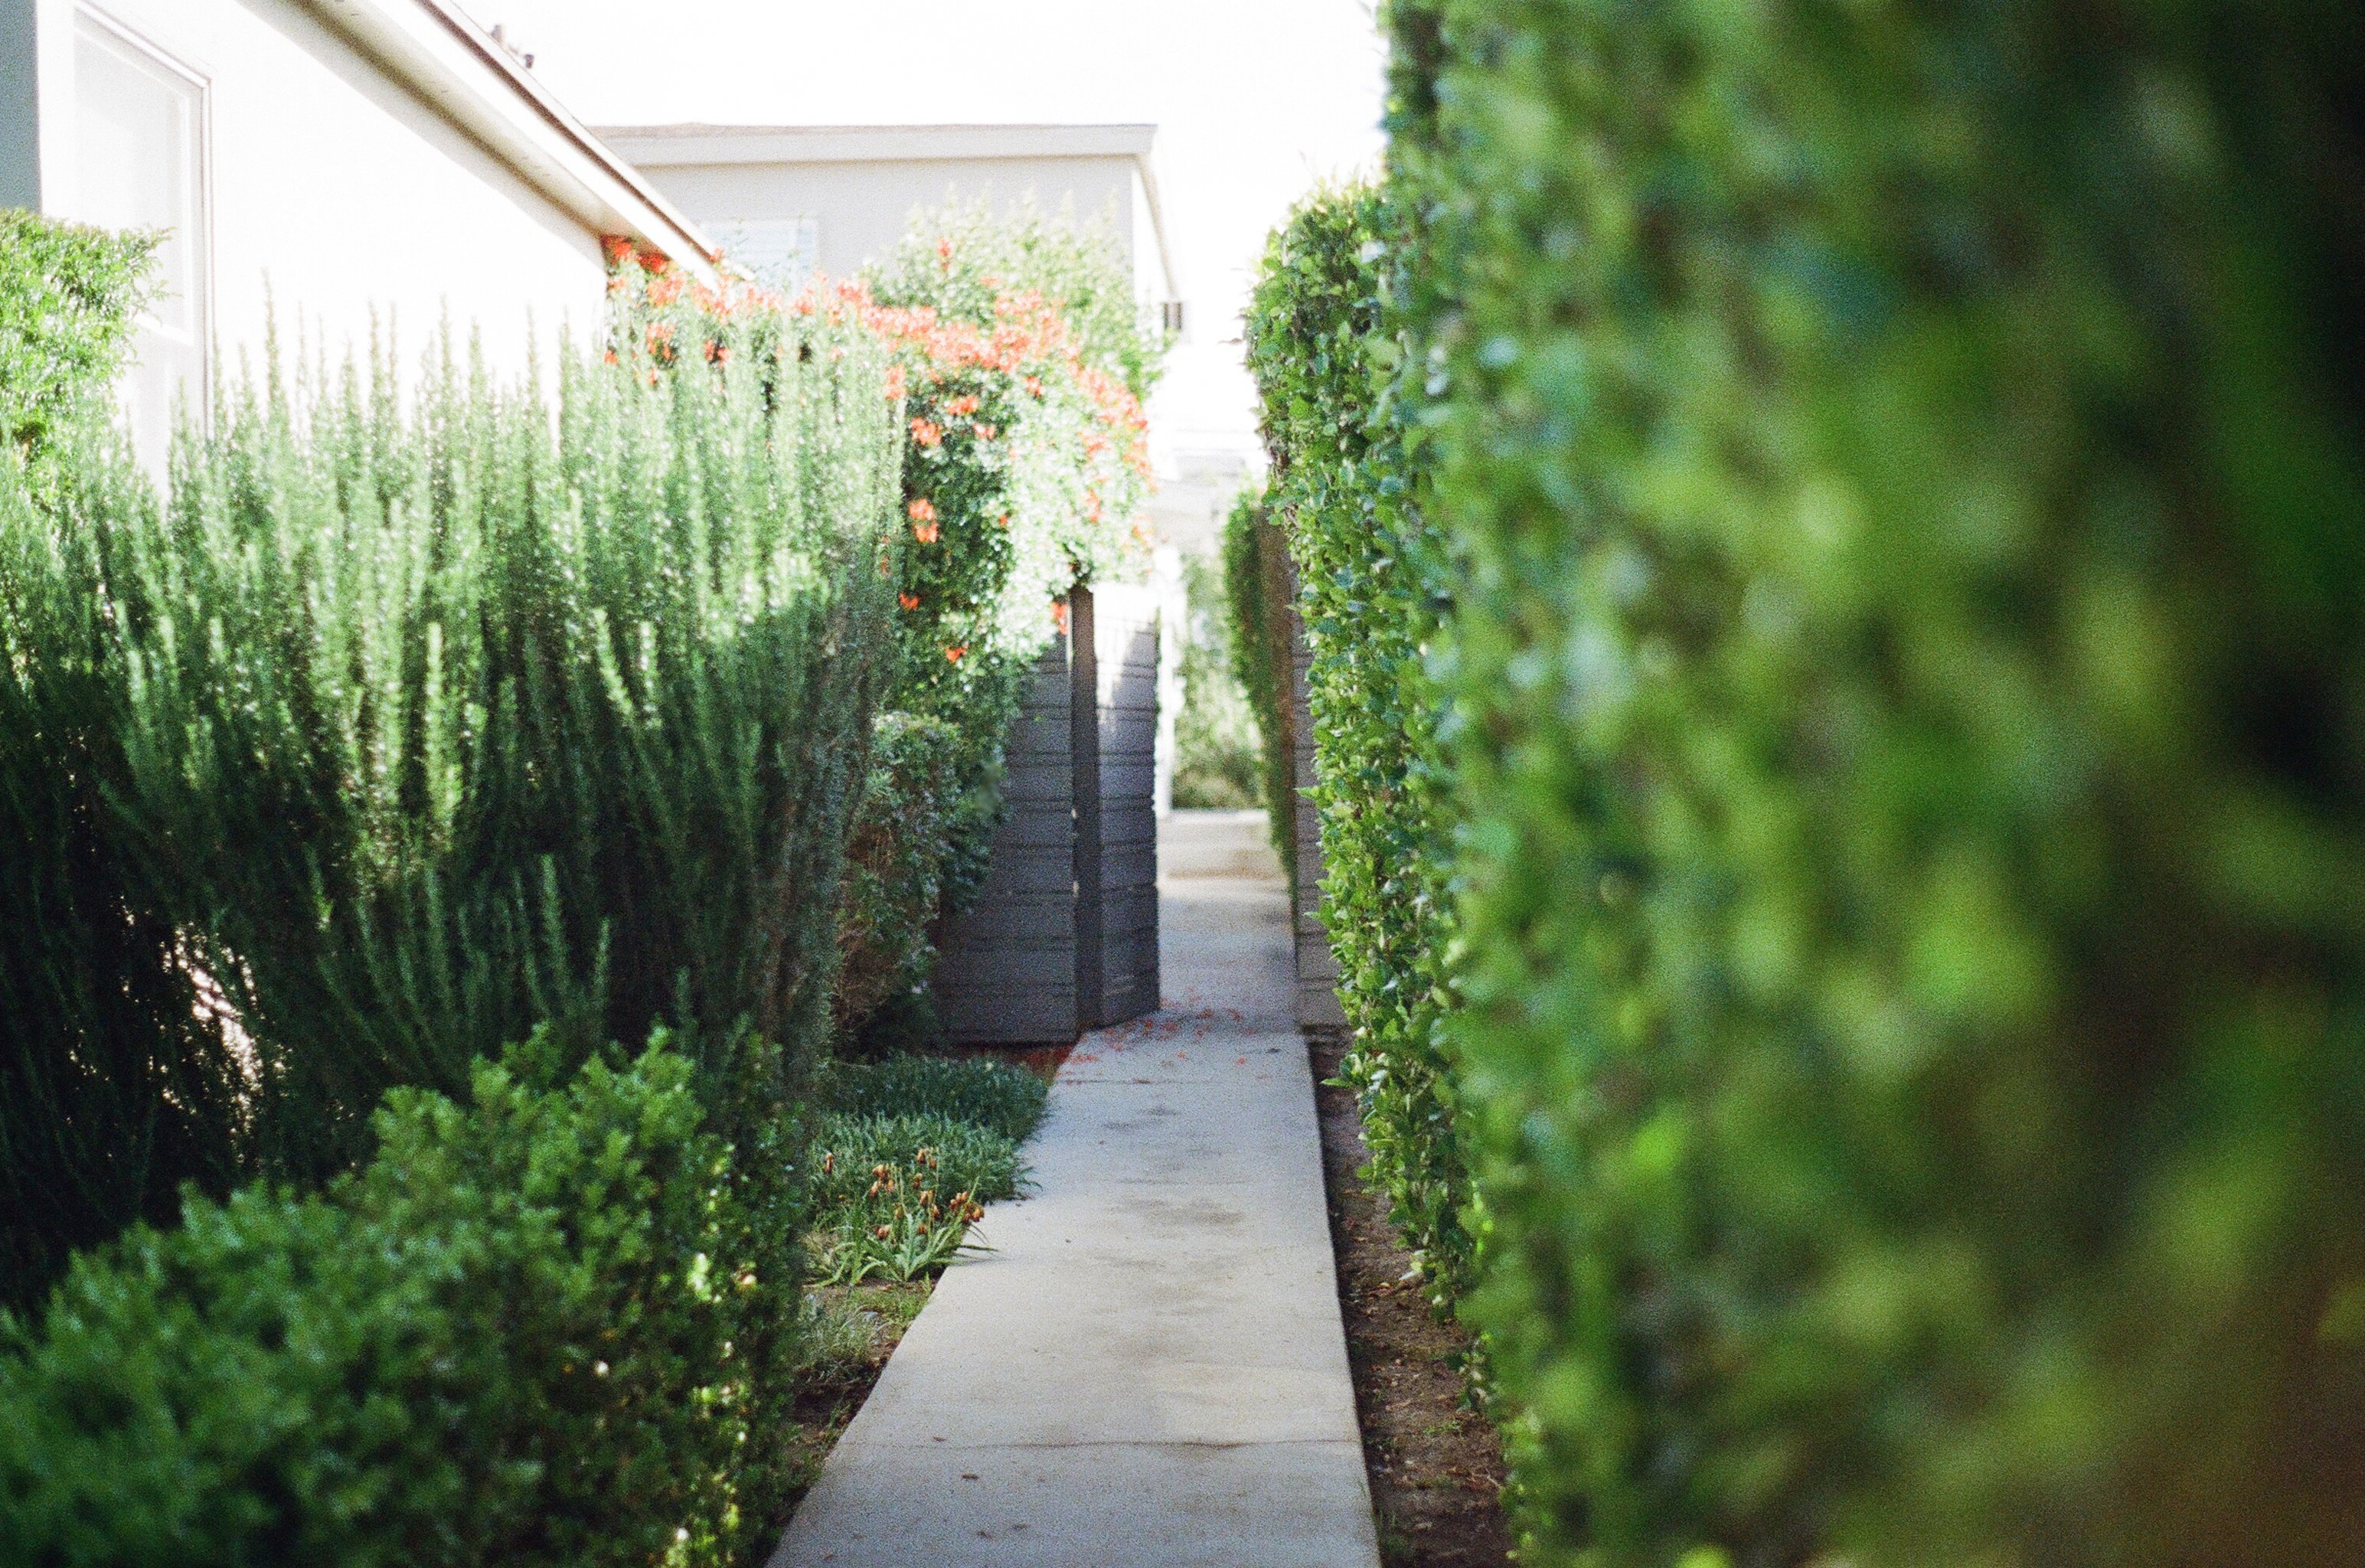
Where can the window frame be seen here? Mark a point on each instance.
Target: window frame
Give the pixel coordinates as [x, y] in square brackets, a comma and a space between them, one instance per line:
[91, 18]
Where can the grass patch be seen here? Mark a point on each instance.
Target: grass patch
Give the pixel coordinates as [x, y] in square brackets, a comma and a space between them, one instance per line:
[991, 1094]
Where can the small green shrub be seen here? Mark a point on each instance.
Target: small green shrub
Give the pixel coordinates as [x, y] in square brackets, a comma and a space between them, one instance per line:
[1909, 676]
[69, 299]
[894, 873]
[1217, 760]
[896, 1195]
[1371, 584]
[998, 1096]
[515, 1336]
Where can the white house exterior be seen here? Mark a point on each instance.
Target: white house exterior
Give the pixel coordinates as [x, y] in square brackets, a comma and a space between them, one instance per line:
[792, 200]
[319, 161]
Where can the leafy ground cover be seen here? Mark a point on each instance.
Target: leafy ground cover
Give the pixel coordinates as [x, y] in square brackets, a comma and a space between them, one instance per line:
[951, 1125]
[904, 1165]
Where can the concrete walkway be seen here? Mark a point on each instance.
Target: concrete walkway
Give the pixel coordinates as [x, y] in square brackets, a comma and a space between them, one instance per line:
[1147, 1370]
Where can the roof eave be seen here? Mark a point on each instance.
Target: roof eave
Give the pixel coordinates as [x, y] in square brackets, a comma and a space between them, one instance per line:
[444, 58]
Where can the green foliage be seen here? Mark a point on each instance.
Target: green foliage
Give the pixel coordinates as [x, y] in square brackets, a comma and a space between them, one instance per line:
[1372, 582]
[894, 872]
[1077, 267]
[68, 300]
[913, 1147]
[517, 1334]
[966, 1156]
[439, 725]
[1256, 594]
[1218, 759]
[114, 1088]
[998, 1096]
[896, 1194]
[1024, 475]
[1910, 681]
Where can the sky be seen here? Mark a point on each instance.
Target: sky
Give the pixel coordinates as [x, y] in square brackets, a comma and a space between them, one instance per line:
[1255, 102]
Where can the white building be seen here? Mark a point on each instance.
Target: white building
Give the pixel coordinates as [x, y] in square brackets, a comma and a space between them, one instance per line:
[319, 160]
[788, 200]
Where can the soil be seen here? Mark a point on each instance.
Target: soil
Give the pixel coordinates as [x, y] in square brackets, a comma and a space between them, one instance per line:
[1436, 1464]
[827, 1399]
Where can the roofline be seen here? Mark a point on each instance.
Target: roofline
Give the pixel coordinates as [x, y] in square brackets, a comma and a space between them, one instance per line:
[450, 63]
[675, 146]
[693, 143]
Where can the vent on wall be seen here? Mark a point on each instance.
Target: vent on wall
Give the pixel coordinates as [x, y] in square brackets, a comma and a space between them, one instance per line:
[1169, 316]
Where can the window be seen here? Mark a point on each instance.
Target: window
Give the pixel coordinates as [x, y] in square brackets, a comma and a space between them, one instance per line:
[781, 252]
[140, 162]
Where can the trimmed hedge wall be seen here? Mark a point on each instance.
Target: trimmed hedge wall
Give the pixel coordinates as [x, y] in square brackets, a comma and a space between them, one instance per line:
[1256, 596]
[1912, 678]
[1371, 578]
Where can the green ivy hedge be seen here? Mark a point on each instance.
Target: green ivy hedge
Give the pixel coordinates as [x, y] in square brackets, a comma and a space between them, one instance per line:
[1912, 746]
[1371, 584]
[519, 1334]
[1256, 596]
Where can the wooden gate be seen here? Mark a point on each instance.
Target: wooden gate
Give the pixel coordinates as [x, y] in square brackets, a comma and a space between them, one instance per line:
[1064, 935]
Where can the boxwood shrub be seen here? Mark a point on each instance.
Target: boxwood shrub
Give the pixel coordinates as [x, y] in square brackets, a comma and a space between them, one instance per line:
[519, 1334]
[1911, 749]
[1371, 587]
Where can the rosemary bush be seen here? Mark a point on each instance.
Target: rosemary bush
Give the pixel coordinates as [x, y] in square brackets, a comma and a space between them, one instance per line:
[113, 1088]
[442, 725]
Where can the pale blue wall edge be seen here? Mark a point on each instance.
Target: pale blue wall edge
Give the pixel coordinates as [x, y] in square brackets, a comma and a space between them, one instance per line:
[20, 136]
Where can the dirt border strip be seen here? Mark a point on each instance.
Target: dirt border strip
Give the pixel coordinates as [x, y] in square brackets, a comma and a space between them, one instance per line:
[1436, 1466]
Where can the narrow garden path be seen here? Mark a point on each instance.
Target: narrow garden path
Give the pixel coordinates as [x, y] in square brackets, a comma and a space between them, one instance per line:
[1148, 1369]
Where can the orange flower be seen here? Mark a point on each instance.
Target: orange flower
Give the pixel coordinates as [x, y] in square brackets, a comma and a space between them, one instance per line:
[922, 509]
[618, 248]
[1001, 521]
[1059, 616]
[1034, 385]
[953, 654]
[908, 601]
[967, 404]
[894, 381]
[985, 432]
[926, 433]
[926, 533]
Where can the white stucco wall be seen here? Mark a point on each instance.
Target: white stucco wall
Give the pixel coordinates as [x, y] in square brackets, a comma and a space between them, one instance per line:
[863, 208]
[334, 192]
